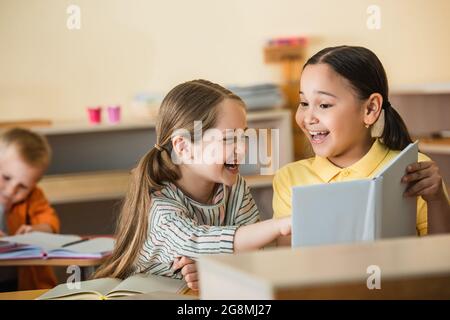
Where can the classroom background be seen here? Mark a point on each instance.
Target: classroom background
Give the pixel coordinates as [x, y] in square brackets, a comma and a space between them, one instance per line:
[59, 58]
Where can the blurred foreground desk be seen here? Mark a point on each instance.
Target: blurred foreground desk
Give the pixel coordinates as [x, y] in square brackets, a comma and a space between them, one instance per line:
[410, 268]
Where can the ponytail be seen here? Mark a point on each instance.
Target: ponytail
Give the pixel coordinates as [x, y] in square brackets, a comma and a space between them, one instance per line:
[132, 226]
[365, 72]
[395, 134]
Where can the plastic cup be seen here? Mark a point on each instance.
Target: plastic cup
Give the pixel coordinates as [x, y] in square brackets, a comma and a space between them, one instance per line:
[95, 115]
[114, 114]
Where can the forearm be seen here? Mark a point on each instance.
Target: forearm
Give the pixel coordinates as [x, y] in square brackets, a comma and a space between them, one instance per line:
[43, 227]
[257, 235]
[438, 216]
[284, 241]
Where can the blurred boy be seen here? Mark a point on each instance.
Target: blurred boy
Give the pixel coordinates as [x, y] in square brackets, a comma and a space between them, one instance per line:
[24, 157]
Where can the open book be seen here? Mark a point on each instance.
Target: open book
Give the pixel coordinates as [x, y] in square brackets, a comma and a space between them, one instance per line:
[41, 245]
[110, 288]
[357, 210]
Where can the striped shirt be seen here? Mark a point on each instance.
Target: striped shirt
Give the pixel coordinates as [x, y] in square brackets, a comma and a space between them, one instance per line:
[180, 226]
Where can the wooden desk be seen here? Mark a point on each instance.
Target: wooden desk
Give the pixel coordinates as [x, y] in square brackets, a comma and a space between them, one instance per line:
[52, 262]
[22, 295]
[86, 265]
[410, 268]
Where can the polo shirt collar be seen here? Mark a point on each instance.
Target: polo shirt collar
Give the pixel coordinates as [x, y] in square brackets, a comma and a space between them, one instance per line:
[362, 168]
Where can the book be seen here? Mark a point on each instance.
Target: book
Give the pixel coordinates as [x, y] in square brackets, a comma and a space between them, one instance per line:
[42, 245]
[113, 288]
[357, 210]
[159, 295]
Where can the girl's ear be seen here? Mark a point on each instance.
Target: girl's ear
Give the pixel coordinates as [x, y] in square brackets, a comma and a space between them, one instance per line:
[182, 147]
[372, 108]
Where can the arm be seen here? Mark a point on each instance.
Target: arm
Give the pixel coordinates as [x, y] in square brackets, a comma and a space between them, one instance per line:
[438, 216]
[256, 236]
[248, 237]
[424, 180]
[173, 233]
[253, 235]
[42, 216]
[43, 227]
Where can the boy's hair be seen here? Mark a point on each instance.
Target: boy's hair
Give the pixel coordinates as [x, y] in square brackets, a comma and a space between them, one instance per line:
[191, 101]
[33, 148]
[365, 72]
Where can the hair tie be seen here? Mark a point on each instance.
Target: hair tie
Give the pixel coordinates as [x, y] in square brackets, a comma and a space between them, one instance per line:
[158, 147]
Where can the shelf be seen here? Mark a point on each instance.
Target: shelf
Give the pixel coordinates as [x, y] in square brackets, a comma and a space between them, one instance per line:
[419, 89]
[82, 126]
[85, 187]
[110, 185]
[440, 146]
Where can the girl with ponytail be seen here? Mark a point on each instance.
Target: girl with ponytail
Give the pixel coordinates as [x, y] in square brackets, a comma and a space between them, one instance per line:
[354, 131]
[177, 209]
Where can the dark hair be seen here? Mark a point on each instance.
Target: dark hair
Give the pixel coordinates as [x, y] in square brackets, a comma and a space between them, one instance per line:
[362, 68]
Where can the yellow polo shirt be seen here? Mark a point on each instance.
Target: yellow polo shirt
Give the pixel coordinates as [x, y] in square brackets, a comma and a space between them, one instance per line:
[320, 170]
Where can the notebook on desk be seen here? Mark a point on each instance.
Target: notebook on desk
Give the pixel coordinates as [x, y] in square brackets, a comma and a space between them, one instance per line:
[358, 210]
[41, 245]
[113, 288]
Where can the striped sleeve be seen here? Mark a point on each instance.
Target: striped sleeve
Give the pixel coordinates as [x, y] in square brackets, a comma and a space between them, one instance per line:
[248, 212]
[173, 233]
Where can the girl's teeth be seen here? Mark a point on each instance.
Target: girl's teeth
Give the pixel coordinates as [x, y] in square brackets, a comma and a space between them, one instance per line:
[317, 132]
[318, 136]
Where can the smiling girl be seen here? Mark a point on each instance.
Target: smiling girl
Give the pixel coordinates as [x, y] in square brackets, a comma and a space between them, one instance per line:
[178, 208]
[354, 131]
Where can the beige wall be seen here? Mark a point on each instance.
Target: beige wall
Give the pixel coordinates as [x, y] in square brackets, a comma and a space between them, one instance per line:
[123, 47]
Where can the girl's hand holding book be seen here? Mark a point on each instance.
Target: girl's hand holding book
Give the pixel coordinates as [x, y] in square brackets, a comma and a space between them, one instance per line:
[424, 180]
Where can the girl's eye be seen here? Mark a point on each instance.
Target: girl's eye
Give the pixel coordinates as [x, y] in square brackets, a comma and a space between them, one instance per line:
[325, 106]
[303, 104]
[6, 178]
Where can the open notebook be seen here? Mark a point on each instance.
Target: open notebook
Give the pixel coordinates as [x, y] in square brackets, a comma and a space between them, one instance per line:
[111, 288]
[357, 210]
[41, 245]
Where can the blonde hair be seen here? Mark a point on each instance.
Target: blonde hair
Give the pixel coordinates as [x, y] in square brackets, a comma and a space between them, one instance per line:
[31, 147]
[188, 102]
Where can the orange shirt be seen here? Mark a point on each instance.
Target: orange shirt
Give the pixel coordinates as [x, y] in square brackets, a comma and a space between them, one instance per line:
[35, 209]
